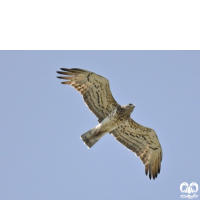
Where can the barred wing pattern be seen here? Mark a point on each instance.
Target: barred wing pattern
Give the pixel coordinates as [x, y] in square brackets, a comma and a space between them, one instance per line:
[94, 88]
[144, 142]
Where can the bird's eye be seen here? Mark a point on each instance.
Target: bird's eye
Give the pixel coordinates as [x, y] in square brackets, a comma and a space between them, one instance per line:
[130, 104]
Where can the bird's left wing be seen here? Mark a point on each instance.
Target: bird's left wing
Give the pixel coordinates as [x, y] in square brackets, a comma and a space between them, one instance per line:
[144, 142]
[94, 88]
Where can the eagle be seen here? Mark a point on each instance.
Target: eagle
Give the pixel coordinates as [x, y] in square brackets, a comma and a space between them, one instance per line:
[114, 118]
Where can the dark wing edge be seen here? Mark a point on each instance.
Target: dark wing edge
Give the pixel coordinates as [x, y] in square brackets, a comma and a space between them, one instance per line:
[144, 143]
[94, 88]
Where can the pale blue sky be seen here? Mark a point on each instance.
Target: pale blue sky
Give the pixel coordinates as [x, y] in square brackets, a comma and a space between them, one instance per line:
[42, 155]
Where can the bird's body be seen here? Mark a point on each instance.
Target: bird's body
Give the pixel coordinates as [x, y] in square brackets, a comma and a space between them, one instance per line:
[109, 124]
[114, 119]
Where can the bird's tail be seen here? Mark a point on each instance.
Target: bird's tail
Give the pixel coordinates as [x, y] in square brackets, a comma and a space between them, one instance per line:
[91, 137]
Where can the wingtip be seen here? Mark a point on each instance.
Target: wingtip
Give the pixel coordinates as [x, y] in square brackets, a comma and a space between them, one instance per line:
[62, 68]
[60, 72]
[66, 82]
[146, 169]
[149, 176]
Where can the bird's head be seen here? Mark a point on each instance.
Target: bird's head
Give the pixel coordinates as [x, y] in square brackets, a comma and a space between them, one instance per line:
[129, 108]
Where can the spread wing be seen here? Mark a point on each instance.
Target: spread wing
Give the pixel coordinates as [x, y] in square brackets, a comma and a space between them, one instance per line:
[144, 142]
[94, 88]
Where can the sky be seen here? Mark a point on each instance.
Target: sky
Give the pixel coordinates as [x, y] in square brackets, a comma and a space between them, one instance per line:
[41, 153]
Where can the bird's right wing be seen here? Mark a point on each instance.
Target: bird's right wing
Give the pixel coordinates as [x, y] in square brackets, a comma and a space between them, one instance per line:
[94, 88]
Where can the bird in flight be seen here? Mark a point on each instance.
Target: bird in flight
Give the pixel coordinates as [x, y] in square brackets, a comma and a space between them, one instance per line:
[114, 118]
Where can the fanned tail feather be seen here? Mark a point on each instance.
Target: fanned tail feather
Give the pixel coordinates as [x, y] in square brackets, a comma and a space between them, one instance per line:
[91, 137]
